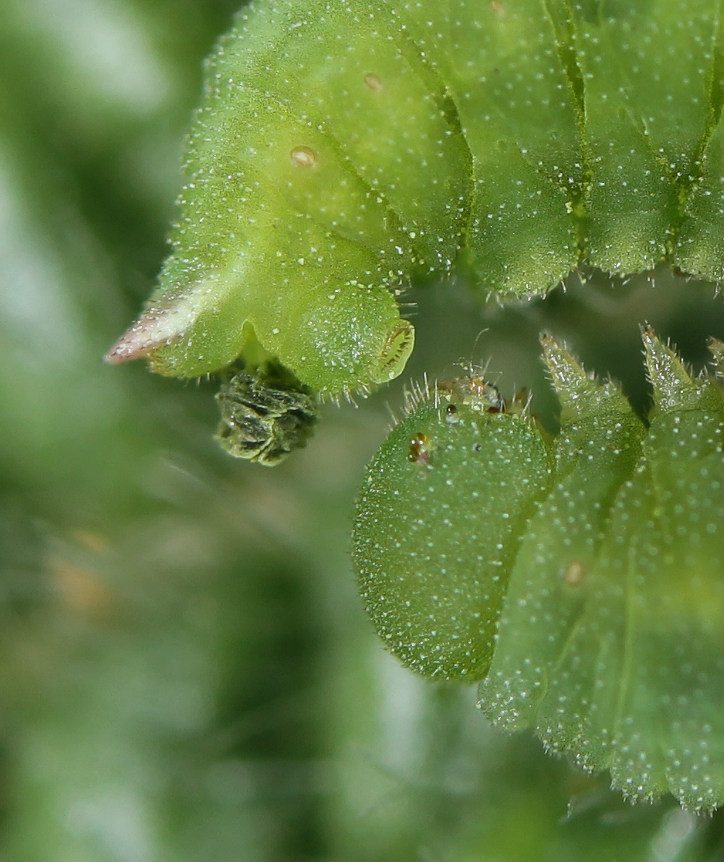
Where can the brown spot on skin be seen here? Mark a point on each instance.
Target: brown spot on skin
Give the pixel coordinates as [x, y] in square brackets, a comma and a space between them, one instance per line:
[574, 573]
[419, 453]
[373, 81]
[303, 157]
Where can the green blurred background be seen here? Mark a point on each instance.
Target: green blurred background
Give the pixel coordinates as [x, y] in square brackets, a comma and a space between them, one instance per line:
[186, 671]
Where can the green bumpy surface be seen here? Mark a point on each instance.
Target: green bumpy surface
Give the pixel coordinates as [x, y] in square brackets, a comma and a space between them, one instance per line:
[580, 578]
[343, 147]
[438, 529]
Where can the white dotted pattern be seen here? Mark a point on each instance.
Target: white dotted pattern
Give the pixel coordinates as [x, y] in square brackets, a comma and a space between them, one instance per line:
[343, 148]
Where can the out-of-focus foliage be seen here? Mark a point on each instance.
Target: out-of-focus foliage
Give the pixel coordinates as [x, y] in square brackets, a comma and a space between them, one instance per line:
[186, 671]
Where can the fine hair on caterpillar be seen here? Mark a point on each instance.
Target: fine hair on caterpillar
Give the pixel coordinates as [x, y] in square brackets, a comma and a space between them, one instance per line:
[489, 549]
[517, 140]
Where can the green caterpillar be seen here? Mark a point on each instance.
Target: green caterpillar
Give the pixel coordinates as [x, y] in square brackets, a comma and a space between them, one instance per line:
[578, 577]
[343, 148]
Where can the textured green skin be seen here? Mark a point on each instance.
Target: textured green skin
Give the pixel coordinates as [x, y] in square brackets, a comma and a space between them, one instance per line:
[609, 628]
[434, 543]
[524, 136]
[626, 668]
